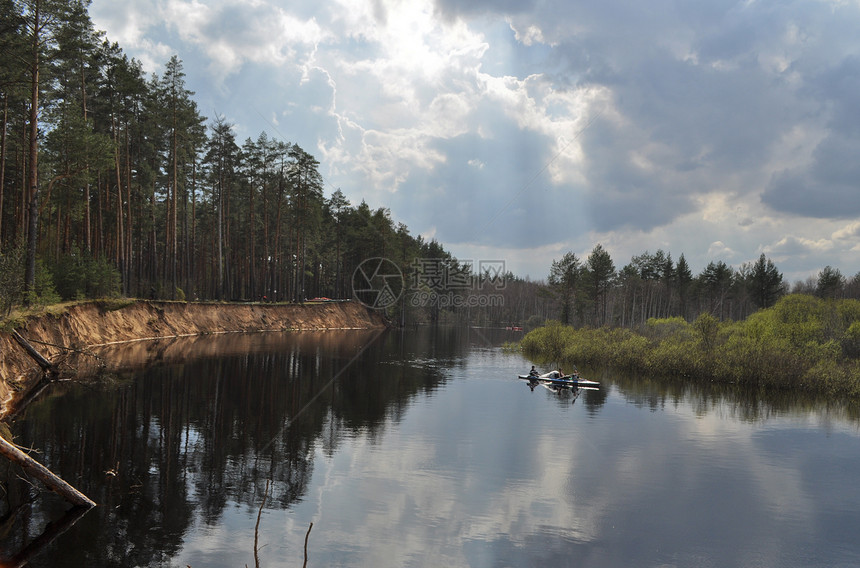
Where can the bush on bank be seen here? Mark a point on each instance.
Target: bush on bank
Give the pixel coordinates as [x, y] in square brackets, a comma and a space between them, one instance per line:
[801, 342]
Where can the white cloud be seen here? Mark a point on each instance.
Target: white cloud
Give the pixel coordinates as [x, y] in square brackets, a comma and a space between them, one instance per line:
[792, 245]
[718, 249]
[849, 231]
[714, 130]
[531, 35]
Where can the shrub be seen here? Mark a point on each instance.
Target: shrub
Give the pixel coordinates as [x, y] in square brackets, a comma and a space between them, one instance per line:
[79, 276]
[11, 278]
[851, 341]
[672, 357]
[707, 328]
[802, 341]
[661, 328]
[44, 292]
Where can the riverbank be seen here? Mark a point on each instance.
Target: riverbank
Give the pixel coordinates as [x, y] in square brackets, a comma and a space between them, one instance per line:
[82, 327]
[801, 343]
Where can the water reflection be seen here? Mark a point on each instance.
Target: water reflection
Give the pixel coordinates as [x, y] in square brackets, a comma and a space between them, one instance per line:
[179, 442]
[426, 451]
[741, 403]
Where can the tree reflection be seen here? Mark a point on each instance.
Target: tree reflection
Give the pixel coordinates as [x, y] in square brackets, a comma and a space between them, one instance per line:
[175, 444]
[735, 401]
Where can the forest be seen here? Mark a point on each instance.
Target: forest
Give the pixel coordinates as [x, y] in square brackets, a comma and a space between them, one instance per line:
[591, 291]
[114, 183]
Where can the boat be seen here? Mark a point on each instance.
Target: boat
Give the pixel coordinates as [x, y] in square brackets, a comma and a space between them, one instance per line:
[557, 379]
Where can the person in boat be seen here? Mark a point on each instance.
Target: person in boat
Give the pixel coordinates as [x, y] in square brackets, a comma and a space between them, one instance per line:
[533, 372]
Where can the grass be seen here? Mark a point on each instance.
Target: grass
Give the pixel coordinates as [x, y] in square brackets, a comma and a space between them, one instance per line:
[19, 315]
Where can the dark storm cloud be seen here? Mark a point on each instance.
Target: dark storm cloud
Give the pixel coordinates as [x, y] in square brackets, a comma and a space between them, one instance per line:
[828, 187]
[719, 125]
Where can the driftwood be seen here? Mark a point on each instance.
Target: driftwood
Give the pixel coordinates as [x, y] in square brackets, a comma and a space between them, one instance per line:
[306, 545]
[31, 466]
[43, 474]
[257, 526]
[44, 363]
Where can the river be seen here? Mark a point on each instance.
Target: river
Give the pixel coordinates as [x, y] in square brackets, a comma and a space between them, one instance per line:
[422, 448]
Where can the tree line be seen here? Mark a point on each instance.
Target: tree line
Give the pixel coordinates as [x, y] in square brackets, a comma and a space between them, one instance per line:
[592, 292]
[112, 182]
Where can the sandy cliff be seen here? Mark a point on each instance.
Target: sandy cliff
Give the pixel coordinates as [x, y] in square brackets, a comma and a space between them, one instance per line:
[90, 325]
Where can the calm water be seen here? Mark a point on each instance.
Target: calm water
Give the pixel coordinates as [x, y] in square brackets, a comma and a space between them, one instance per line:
[421, 448]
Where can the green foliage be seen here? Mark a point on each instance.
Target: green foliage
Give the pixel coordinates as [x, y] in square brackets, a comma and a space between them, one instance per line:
[765, 283]
[533, 322]
[830, 282]
[79, 276]
[565, 279]
[659, 328]
[114, 304]
[801, 342]
[43, 292]
[601, 277]
[707, 327]
[851, 342]
[11, 278]
[550, 340]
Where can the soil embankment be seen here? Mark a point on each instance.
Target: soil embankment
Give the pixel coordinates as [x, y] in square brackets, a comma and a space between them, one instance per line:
[87, 326]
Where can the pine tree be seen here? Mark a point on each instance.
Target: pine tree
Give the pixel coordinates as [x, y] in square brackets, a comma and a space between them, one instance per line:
[42, 23]
[767, 285]
[601, 274]
[565, 277]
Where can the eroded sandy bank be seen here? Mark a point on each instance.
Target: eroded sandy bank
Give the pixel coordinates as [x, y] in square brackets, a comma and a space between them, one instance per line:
[85, 326]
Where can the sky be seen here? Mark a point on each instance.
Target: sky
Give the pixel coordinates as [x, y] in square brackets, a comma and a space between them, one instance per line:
[520, 130]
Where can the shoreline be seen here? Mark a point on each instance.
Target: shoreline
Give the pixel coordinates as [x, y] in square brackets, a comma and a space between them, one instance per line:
[102, 324]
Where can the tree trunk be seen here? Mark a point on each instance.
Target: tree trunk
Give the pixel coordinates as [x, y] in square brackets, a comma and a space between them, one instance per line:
[44, 475]
[33, 180]
[3, 158]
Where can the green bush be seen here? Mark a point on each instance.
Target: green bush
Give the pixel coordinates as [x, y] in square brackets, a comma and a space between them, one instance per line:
[629, 349]
[707, 329]
[672, 357]
[801, 342]
[661, 328]
[46, 293]
[851, 341]
[11, 278]
[79, 276]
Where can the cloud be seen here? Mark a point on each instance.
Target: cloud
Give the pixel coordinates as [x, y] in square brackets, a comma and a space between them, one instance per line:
[795, 246]
[471, 8]
[849, 231]
[829, 188]
[716, 129]
[718, 249]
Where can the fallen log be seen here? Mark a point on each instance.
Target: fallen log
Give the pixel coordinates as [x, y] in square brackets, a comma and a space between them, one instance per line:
[45, 475]
[42, 361]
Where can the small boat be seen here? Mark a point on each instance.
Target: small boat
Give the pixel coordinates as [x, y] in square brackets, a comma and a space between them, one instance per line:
[557, 379]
